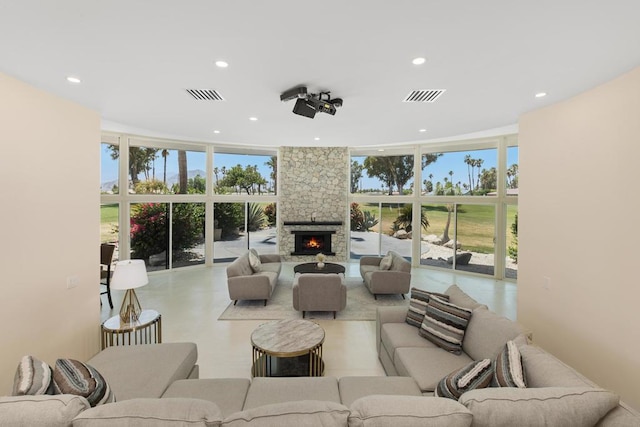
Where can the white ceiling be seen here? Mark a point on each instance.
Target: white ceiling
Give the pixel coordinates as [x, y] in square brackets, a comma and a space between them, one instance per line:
[136, 58]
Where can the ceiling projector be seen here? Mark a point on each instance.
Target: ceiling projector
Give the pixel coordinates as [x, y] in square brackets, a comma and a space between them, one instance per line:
[308, 104]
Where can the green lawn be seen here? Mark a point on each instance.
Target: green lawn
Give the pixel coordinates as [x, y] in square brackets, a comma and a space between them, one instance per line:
[108, 223]
[476, 223]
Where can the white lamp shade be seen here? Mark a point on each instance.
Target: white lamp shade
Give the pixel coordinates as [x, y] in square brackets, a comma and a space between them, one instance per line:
[129, 274]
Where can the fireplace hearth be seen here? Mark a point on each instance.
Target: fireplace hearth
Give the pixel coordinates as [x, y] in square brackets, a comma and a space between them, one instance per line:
[311, 242]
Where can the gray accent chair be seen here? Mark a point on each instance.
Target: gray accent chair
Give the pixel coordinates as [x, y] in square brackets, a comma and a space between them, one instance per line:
[395, 280]
[319, 292]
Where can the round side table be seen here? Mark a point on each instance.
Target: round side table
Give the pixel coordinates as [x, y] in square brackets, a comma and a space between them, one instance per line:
[146, 330]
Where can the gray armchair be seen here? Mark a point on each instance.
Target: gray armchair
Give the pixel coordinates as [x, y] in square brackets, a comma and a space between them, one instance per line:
[395, 280]
[319, 292]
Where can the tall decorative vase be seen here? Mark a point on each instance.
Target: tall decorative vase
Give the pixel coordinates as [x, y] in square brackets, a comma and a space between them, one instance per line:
[321, 265]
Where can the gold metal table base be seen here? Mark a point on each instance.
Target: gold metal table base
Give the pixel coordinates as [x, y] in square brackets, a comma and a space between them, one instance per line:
[146, 330]
[266, 365]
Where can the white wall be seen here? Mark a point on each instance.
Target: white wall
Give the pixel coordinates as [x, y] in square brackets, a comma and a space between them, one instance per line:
[579, 226]
[49, 227]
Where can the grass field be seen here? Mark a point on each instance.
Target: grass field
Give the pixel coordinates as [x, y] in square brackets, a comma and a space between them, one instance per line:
[476, 223]
[108, 223]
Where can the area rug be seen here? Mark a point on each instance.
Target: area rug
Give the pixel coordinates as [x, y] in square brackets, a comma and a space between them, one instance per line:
[360, 305]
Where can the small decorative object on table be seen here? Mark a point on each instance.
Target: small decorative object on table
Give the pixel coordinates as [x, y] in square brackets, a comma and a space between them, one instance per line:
[313, 217]
[321, 257]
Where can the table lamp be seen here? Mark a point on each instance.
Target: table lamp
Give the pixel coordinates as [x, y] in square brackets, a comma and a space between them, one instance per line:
[128, 275]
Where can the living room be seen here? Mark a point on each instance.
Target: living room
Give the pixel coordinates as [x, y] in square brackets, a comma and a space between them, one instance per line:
[576, 298]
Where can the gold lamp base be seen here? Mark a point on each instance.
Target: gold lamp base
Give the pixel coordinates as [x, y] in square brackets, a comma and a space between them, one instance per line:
[130, 309]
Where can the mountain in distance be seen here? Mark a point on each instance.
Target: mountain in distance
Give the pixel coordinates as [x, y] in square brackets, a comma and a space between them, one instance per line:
[172, 178]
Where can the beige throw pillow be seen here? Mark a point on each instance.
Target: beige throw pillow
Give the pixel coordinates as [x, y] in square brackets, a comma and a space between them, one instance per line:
[254, 261]
[385, 263]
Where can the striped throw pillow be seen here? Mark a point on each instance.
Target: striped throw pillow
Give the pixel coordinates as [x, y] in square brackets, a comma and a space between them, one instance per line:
[418, 305]
[33, 377]
[477, 374]
[444, 324]
[74, 377]
[508, 368]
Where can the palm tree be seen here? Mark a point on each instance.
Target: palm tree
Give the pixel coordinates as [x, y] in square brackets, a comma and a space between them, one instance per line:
[165, 154]
[182, 171]
[273, 164]
[468, 160]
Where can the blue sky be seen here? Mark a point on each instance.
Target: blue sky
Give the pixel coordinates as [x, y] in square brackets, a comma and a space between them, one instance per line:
[451, 161]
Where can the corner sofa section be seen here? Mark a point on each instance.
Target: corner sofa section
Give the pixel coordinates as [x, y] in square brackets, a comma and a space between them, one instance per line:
[403, 352]
[246, 283]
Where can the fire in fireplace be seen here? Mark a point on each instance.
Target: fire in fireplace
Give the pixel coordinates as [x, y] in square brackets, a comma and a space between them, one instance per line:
[312, 242]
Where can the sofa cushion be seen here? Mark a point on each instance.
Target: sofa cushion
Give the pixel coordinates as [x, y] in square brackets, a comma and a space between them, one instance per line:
[227, 393]
[74, 377]
[266, 391]
[545, 370]
[477, 374]
[309, 413]
[508, 368]
[41, 410]
[254, 261]
[418, 305]
[458, 297]
[444, 324]
[353, 388]
[487, 333]
[397, 335]
[33, 376]
[386, 261]
[427, 365]
[151, 413]
[566, 407]
[145, 370]
[408, 411]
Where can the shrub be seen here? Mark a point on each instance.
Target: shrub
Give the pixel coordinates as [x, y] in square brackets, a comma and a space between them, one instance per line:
[149, 228]
[257, 219]
[513, 248]
[229, 216]
[403, 220]
[270, 212]
[357, 217]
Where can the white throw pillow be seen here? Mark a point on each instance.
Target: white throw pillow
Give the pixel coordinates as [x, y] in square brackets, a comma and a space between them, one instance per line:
[254, 261]
[385, 263]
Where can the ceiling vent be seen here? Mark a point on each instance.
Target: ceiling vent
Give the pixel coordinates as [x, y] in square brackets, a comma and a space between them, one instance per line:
[205, 94]
[424, 95]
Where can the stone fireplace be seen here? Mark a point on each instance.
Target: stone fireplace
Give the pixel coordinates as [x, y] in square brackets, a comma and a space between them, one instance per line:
[313, 202]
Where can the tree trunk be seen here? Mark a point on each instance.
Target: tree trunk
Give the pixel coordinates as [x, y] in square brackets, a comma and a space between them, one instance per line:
[182, 171]
[445, 234]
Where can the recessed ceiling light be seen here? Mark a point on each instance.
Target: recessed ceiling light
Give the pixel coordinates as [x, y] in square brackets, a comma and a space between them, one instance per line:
[253, 119]
[216, 131]
[380, 149]
[72, 79]
[317, 138]
[222, 64]
[418, 61]
[541, 94]
[422, 130]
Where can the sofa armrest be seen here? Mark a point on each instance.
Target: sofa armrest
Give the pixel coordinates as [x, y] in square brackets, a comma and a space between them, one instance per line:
[389, 281]
[388, 315]
[256, 286]
[270, 258]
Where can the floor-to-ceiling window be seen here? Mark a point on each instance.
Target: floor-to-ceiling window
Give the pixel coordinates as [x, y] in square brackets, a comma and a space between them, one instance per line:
[467, 198]
[245, 208]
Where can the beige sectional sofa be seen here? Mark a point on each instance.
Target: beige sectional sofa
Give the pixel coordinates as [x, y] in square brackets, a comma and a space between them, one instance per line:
[157, 385]
[247, 282]
[392, 278]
